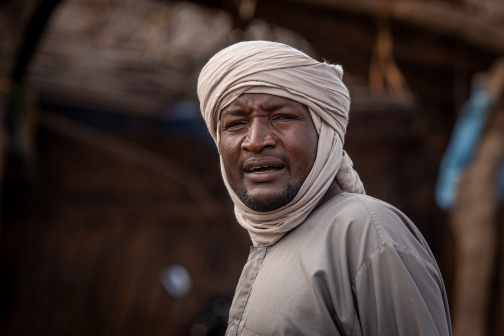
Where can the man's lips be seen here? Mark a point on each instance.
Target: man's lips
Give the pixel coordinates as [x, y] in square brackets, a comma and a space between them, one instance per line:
[263, 169]
[262, 165]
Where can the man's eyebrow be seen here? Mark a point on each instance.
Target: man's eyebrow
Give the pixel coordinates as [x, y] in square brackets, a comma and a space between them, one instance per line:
[239, 111]
[233, 112]
[276, 107]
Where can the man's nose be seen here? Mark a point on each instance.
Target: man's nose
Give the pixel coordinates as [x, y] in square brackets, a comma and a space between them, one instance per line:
[259, 136]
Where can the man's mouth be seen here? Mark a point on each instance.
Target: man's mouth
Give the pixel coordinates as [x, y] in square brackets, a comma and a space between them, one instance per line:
[261, 170]
[264, 169]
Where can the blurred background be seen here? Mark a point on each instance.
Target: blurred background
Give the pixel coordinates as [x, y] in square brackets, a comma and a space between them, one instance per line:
[114, 218]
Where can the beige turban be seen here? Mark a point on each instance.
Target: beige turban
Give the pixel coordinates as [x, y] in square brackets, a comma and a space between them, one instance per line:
[277, 69]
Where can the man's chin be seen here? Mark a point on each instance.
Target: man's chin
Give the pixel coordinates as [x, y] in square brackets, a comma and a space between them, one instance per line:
[269, 202]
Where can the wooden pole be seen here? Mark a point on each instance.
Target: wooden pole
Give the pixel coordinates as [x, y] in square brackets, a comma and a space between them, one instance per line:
[474, 225]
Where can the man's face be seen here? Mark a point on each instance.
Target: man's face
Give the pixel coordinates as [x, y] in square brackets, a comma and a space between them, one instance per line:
[268, 146]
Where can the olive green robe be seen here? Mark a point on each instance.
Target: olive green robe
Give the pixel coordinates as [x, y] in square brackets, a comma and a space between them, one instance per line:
[356, 266]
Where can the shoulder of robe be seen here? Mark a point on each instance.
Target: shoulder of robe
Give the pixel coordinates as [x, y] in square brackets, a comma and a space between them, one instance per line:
[363, 224]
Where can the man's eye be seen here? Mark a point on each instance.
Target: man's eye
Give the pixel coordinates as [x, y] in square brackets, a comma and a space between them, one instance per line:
[283, 117]
[235, 124]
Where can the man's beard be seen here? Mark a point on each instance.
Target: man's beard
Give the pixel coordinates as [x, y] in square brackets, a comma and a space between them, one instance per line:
[270, 203]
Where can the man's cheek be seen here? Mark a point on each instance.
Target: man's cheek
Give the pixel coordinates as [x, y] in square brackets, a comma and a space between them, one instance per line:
[230, 143]
[233, 177]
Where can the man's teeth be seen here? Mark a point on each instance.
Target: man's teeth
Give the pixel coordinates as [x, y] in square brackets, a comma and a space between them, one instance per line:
[254, 169]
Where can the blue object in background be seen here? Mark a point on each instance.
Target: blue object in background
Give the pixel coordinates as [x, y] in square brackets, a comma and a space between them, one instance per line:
[461, 149]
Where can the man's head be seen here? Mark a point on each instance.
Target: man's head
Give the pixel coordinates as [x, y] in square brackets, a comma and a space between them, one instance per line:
[268, 145]
[279, 119]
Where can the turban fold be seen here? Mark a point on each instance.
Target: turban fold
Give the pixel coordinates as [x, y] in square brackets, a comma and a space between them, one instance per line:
[278, 69]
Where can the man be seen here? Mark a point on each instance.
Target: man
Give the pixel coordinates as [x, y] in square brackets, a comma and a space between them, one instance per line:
[326, 260]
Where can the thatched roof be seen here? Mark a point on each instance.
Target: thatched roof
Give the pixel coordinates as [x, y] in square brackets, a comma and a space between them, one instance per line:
[126, 55]
[480, 22]
[142, 55]
[133, 56]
